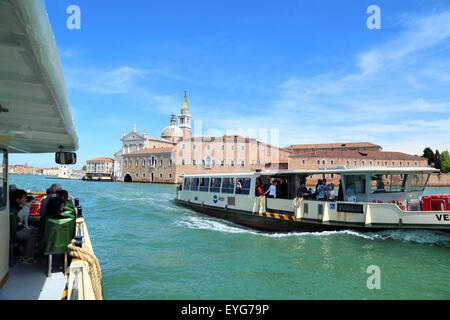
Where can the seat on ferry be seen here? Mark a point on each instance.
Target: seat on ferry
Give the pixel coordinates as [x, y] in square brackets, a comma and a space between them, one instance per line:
[15, 244]
[58, 234]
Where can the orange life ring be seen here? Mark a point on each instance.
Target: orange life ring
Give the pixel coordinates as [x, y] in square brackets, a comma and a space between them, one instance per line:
[401, 205]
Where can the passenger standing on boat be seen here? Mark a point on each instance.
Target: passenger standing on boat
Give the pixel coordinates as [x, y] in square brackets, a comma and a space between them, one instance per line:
[318, 186]
[266, 186]
[282, 188]
[272, 191]
[259, 190]
[323, 190]
[238, 186]
[340, 192]
[331, 194]
[19, 213]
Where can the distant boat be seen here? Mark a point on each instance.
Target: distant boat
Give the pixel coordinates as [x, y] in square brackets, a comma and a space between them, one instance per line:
[373, 199]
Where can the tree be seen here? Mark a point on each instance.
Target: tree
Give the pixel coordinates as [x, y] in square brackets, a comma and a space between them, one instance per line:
[437, 159]
[445, 161]
[429, 154]
[84, 168]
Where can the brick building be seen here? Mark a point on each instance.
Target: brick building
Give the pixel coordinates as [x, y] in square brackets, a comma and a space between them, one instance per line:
[351, 158]
[163, 159]
[100, 165]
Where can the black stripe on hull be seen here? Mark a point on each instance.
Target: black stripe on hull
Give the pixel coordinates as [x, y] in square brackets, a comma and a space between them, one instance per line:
[264, 223]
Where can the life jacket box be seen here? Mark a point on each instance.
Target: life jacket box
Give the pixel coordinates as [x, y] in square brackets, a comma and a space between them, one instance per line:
[437, 202]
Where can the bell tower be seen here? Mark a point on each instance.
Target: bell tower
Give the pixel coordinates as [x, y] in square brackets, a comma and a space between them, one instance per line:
[184, 119]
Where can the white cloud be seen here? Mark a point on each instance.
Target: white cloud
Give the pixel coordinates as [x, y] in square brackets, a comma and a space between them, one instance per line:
[376, 103]
[116, 81]
[421, 33]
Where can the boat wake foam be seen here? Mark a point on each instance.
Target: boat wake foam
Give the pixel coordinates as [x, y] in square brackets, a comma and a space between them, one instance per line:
[212, 224]
[417, 236]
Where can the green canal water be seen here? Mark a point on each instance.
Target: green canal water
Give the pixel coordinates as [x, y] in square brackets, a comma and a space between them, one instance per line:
[151, 248]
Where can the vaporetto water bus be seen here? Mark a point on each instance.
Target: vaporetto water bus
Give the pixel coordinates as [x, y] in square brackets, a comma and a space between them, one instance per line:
[35, 118]
[369, 199]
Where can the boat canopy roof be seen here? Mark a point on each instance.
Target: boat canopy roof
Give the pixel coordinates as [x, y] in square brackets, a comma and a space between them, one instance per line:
[227, 174]
[34, 109]
[338, 170]
[353, 170]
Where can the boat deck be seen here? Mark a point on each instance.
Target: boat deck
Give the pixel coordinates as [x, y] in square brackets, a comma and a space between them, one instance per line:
[30, 282]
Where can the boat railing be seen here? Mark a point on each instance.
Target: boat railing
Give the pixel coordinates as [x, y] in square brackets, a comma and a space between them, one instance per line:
[84, 282]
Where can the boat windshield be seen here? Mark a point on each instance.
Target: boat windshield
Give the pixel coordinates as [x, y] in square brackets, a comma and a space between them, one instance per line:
[382, 183]
[419, 181]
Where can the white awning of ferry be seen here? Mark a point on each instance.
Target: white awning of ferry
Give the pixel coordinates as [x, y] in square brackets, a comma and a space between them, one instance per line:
[34, 113]
[354, 170]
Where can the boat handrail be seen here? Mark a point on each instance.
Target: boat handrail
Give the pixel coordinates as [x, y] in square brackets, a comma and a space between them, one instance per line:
[85, 277]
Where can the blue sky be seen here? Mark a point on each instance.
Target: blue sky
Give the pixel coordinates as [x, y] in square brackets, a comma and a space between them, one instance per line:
[309, 70]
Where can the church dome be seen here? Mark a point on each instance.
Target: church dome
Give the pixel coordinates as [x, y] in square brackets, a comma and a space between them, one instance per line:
[172, 131]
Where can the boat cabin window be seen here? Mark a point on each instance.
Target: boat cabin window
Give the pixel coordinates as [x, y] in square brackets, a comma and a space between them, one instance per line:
[354, 185]
[194, 184]
[419, 181]
[187, 183]
[3, 175]
[228, 185]
[215, 185]
[243, 185]
[382, 183]
[204, 184]
[284, 185]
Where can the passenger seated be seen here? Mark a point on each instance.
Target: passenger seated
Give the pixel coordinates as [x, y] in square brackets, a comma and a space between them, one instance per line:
[19, 212]
[63, 194]
[51, 193]
[350, 193]
[302, 191]
[55, 207]
[68, 200]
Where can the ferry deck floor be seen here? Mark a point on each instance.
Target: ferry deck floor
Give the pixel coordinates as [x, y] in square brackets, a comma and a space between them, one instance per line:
[30, 282]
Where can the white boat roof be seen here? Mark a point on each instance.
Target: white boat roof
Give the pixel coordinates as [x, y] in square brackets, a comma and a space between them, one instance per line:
[354, 170]
[226, 174]
[34, 113]
[338, 170]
